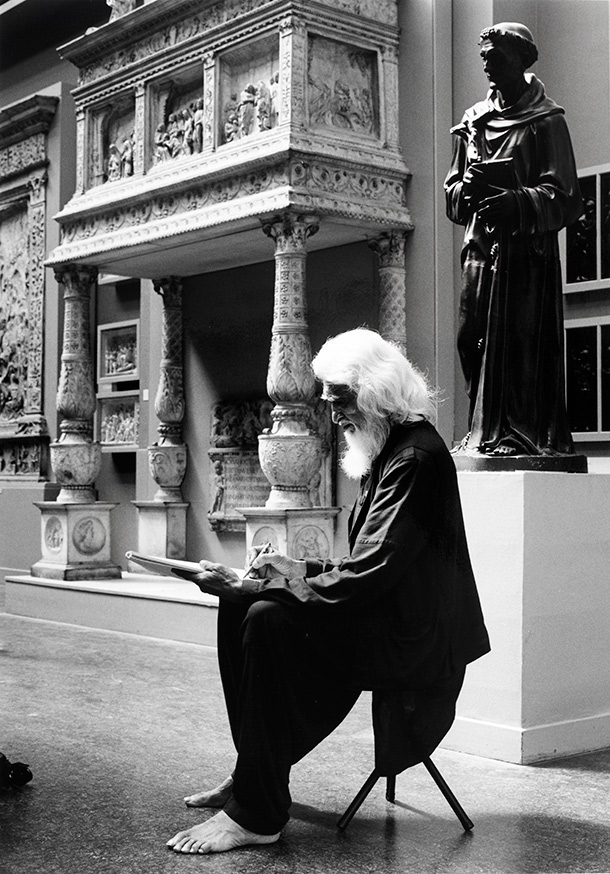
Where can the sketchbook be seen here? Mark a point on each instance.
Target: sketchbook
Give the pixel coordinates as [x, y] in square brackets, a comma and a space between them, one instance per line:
[157, 564]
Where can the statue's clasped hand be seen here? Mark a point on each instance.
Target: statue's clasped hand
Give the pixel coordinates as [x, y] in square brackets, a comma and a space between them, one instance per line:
[500, 207]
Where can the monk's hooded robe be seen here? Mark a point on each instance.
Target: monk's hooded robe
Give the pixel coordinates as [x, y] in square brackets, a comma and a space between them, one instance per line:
[510, 336]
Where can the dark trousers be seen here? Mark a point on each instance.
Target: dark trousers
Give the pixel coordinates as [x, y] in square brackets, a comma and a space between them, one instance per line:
[284, 674]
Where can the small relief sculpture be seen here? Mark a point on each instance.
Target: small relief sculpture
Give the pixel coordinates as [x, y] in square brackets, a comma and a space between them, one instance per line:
[219, 487]
[246, 110]
[255, 111]
[237, 425]
[89, 536]
[120, 159]
[263, 106]
[113, 169]
[180, 134]
[120, 426]
[274, 94]
[53, 534]
[231, 126]
[198, 126]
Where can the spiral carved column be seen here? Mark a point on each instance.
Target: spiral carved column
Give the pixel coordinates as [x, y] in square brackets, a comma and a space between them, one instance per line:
[390, 249]
[290, 454]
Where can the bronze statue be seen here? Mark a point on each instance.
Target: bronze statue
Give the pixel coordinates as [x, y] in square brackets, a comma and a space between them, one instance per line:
[513, 184]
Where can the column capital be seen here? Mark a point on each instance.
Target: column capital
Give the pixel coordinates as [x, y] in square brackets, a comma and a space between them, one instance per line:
[390, 248]
[291, 231]
[170, 289]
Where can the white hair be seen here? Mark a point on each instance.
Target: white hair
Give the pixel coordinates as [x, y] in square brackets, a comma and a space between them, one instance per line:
[386, 384]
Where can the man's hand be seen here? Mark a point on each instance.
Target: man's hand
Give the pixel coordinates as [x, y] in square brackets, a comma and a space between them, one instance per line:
[216, 579]
[266, 563]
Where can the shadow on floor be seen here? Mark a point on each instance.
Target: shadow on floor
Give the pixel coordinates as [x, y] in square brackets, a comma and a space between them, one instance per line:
[117, 728]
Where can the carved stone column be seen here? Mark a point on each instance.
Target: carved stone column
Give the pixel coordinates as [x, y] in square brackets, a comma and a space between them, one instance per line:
[76, 527]
[291, 453]
[390, 249]
[75, 458]
[162, 521]
[167, 457]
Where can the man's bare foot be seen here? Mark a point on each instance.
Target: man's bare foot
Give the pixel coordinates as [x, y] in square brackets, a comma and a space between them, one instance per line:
[217, 797]
[217, 835]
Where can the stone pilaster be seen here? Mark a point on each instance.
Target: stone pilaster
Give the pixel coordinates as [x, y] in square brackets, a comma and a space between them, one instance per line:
[290, 455]
[390, 249]
[209, 90]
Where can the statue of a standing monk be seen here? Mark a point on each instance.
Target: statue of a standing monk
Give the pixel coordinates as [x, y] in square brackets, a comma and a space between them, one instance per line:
[513, 184]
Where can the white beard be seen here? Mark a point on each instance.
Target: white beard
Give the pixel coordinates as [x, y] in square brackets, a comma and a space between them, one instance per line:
[363, 447]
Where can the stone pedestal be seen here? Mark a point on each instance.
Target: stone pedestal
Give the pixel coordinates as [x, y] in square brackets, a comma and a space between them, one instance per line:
[75, 542]
[300, 533]
[161, 529]
[540, 547]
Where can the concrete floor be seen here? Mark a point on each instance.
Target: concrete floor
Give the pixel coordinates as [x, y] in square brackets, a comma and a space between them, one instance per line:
[117, 728]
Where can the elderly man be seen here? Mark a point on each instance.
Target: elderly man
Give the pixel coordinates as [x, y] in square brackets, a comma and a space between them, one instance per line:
[513, 184]
[400, 615]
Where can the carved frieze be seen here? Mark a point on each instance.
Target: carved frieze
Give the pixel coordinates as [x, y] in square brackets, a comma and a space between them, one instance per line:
[24, 438]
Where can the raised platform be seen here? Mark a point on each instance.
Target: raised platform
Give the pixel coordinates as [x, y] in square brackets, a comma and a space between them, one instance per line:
[152, 606]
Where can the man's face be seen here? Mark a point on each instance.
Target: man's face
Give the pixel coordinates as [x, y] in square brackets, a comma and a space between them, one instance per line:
[344, 406]
[501, 64]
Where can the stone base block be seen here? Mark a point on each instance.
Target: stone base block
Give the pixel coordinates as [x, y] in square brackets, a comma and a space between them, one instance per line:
[161, 529]
[300, 533]
[75, 542]
[540, 547]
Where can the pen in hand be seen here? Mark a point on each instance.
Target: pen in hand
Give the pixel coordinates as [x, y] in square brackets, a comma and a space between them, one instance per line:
[266, 548]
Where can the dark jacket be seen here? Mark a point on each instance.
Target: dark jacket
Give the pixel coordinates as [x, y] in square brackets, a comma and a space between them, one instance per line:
[406, 590]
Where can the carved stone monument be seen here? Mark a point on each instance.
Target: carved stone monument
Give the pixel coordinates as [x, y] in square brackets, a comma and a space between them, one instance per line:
[198, 121]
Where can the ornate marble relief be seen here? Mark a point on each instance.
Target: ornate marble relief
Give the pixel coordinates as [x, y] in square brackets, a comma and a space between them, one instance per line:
[249, 90]
[24, 438]
[213, 19]
[343, 89]
[179, 121]
[114, 145]
[236, 478]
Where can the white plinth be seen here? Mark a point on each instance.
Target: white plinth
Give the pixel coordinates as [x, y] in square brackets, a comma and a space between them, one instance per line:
[540, 547]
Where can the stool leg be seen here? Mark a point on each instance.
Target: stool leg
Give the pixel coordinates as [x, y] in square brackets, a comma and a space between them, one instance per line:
[358, 799]
[457, 808]
[390, 790]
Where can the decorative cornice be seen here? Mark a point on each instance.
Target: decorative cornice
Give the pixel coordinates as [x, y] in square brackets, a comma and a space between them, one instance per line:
[23, 119]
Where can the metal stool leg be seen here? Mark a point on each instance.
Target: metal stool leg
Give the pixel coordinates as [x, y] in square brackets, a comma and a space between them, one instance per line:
[390, 790]
[455, 805]
[358, 799]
